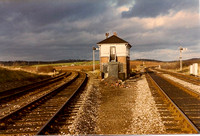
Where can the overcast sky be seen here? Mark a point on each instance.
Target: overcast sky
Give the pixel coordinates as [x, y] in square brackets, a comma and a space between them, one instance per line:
[67, 29]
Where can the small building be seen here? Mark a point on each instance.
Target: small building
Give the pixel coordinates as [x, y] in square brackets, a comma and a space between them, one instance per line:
[114, 54]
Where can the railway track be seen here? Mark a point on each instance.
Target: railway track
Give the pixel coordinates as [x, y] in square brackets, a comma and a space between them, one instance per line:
[15, 101]
[32, 117]
[60, 122]
[187, 78]
[7, 95]
[179, 110]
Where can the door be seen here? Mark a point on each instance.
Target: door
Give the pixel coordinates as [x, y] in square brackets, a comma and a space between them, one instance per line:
[112, 54]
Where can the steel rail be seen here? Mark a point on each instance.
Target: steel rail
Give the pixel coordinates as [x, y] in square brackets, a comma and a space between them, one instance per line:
[181, 115]
[3, 120]
[192, 79]
[15, 91]
[169, 119]
[186, 89]
[18, 101]
[46, 125]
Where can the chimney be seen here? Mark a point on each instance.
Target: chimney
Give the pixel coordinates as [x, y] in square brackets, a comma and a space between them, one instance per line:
[107, 34]
[115, 33]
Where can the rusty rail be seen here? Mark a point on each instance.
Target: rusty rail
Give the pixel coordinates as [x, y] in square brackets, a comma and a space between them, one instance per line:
[4, 122]
[181, 116]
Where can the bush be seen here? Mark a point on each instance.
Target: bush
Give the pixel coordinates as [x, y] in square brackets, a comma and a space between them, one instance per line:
[45, 69]
[174, 65]
[133, 67]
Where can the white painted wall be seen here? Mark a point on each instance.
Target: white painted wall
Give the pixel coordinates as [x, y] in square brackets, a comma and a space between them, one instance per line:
[121, 50]
[194, 69]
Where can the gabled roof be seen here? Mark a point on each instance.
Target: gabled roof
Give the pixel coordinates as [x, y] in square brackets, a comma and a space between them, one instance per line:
[112, 39]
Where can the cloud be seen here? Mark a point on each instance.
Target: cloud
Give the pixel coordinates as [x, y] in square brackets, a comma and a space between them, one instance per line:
[154, 8]
[20, 16]
[123, 2]
[169, 31]
[66, 29]
[167, 54]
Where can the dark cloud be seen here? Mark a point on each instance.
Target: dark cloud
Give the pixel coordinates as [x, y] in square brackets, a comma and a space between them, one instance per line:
[153, 8]
[48, 52]
[122, 2]
[170, 39]
[23, 16]
[31, 29]
[67, 29]
[45, 11]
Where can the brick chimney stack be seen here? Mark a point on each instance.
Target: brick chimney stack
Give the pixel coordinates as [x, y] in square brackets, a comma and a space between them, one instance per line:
[107, 34]
[115, 33]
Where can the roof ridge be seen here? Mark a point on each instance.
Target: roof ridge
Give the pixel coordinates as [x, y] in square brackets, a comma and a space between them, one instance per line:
[112, 39]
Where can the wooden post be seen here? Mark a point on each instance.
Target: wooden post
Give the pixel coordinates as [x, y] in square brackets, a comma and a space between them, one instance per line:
[94, 58]
[180, 58]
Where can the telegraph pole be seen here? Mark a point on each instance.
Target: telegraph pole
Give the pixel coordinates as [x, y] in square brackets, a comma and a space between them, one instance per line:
[181, 49]
[94, 49]
[93, 58]
[180, 58]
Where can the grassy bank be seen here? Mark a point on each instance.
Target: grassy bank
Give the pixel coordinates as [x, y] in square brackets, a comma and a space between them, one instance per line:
[84, 63]
[16, 75]
[15, 78]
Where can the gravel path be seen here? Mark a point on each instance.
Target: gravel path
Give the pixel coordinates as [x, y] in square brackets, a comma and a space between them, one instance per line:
[114, 113]
[128, 110]
[112, 109]
[85, 121]
[145, 116]
[191, 86]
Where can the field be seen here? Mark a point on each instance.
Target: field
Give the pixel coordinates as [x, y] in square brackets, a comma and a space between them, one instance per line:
[85, 66]
[84, 63]
[14, 78]
[81, 66]
[172, 66]
[135, 65]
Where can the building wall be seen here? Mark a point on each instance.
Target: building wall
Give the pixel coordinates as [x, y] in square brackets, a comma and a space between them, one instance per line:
[123, 56]
[103, 60]
[124, 60]
[121, 50]
[125, 64]
[128, 66]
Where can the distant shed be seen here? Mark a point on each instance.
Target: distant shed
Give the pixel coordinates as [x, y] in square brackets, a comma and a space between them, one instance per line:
[114, 55]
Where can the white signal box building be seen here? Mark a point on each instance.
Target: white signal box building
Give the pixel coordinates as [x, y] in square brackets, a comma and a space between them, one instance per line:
[114, 55]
